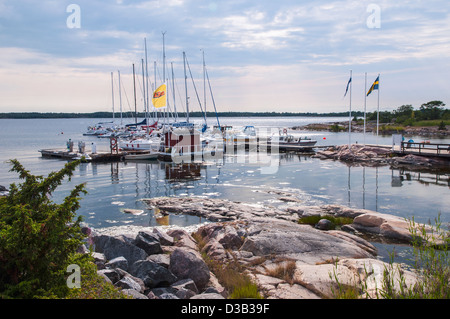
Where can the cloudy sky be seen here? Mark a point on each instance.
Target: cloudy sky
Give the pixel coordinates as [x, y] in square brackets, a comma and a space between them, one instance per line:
[284, 55]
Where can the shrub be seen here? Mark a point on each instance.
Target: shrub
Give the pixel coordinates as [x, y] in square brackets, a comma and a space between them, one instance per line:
[231, 275]
[38, 238]
[284, 271]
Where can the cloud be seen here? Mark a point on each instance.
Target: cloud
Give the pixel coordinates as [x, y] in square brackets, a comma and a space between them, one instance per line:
[252, 47]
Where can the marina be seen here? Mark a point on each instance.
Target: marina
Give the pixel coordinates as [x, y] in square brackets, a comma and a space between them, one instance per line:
[115, 183]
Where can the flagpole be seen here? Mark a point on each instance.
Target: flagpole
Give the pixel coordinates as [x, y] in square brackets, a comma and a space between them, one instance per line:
[365, 99]
[350, 113]
[378, 106]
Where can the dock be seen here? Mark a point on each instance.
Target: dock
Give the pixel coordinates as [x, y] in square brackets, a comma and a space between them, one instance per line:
[90, 157]
[440, 150]
[425, 149]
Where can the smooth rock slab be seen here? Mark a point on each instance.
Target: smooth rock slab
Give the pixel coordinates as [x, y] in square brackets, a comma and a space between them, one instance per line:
[300, 242]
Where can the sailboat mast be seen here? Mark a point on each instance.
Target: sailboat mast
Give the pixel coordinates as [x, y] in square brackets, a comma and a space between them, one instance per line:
[173, 92]
[185, 86]
[204, 83]
[112, 93]
[154, 89]
[134, 87]
[164, 58]
[145, 101]
[212, 98]
[164, 72]
[120, 98]
[146, 73]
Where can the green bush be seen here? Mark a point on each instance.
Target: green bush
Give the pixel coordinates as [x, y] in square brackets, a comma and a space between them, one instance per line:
[38, 238]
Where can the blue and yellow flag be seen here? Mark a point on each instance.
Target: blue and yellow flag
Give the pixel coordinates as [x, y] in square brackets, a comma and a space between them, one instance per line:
[159, 98]
[374, 85]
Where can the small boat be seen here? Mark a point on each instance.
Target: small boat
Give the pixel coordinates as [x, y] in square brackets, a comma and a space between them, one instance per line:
[248, 134]
[151, 155]
[286, 141]
[147, 142]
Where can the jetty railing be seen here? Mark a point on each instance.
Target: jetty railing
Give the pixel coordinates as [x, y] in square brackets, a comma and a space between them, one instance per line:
[426, 148]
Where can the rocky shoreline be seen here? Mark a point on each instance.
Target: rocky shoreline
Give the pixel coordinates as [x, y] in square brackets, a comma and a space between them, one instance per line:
[370, 155]
[424, 131]
[166, 263]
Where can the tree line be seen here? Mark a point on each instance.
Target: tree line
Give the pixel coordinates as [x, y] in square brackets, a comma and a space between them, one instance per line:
[50, 115]
[407, 115]
[404, 114]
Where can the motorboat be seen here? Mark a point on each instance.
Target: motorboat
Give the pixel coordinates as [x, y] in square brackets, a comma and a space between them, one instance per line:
[150, 155]
[248, 134]
[286, 140]
[141, 143]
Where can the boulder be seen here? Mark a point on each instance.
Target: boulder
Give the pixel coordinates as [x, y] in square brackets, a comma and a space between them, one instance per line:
[168, 296]
[229, 238]
[182, 239]
[388, 226]
[112, 275]
[185, 284]
[161, 259]
[184, 293]
[99, 257]
[164, 239]
[324, 224]
[123, 274]
[116, 246]
[186, 264]
[128, 283]
[149, 242]
[134, 294]
[118, 262]
[104, 276]
[163, 290]
[208, 296]
[152, 274]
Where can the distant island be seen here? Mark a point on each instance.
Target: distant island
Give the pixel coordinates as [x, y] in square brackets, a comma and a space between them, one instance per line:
[52, 115]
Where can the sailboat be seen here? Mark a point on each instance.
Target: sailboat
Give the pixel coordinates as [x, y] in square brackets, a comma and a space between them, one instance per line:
[184, 142]
[151, 139]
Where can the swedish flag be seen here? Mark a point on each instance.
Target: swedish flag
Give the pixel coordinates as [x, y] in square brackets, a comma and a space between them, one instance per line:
[374, 85]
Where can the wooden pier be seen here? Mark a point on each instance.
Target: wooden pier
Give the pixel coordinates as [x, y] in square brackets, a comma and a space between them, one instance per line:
[424, 149]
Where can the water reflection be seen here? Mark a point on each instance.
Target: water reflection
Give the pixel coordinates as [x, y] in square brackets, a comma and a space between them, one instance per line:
[118, 185]
[367, 188]
[424, 178]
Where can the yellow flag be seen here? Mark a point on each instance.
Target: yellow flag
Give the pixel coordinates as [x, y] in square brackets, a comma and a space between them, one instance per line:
[160, 97]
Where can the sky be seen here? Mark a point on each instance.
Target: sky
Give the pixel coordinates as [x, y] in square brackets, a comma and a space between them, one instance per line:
[260, 55]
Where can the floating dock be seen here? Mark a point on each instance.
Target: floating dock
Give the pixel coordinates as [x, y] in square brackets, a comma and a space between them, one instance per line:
[119, 155]
[90, 157]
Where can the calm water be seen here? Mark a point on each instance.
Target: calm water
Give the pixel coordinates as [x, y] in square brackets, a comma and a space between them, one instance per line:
[114, 186]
